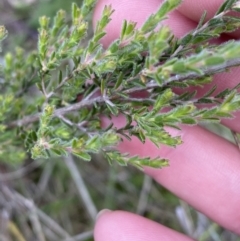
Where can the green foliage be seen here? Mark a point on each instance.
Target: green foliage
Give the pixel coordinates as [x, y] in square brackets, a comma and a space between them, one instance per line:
[3, 34]
[53, 98]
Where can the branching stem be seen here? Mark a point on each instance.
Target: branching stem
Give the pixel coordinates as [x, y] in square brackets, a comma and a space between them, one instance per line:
[87, 102]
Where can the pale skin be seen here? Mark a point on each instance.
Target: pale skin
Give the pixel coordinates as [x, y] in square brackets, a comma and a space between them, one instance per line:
[205, 170]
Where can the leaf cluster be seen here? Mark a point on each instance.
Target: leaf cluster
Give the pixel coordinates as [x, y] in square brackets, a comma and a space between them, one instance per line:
[53, 98]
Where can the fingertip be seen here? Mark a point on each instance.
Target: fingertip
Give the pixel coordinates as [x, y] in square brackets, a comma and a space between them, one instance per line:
[103, 225]
[120, 225]
[102, 213]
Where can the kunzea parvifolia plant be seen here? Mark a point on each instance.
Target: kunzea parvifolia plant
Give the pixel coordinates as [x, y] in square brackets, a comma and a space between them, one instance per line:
[52, 99]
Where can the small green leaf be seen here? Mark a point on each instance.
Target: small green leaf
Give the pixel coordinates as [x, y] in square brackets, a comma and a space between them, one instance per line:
[188, 120]
[83, 155]
[123, 29]
[113, 109]
[149, 162]
[44, 22]
[186, 39]
[130, 28]
[93, 144]
[215, 60]
[109, 138]
[99, 36]
[87, 7]
[202, 19]
[225, 6]
[163, 100]
[33, 136]
[160, 15]
[179, 67]
[59, 151]
[119, 81]
[210, 92]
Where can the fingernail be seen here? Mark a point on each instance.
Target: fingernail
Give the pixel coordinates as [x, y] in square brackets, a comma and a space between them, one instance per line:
[102, 212]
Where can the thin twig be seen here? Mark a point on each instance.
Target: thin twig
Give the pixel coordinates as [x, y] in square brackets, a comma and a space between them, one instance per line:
[17, 199]
[52, 224]
[95, 91]
[70, 123]
[61, 111]
[209, 232]
[50, 235]
[110, 188]
[46, 174]
[35, 220]
[20, 172]
[192, 75]
[143, 199]
[13, 229]
[67, 78]
[81, 187]
[81, 236]
[184, 216]
[44, 89]
[26, 87]
[4, 220]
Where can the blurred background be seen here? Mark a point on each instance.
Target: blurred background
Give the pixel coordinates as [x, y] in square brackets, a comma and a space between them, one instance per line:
[57, 199]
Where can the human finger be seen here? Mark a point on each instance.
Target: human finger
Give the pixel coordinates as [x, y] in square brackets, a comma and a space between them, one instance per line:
[204, 171]
[124, 226]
